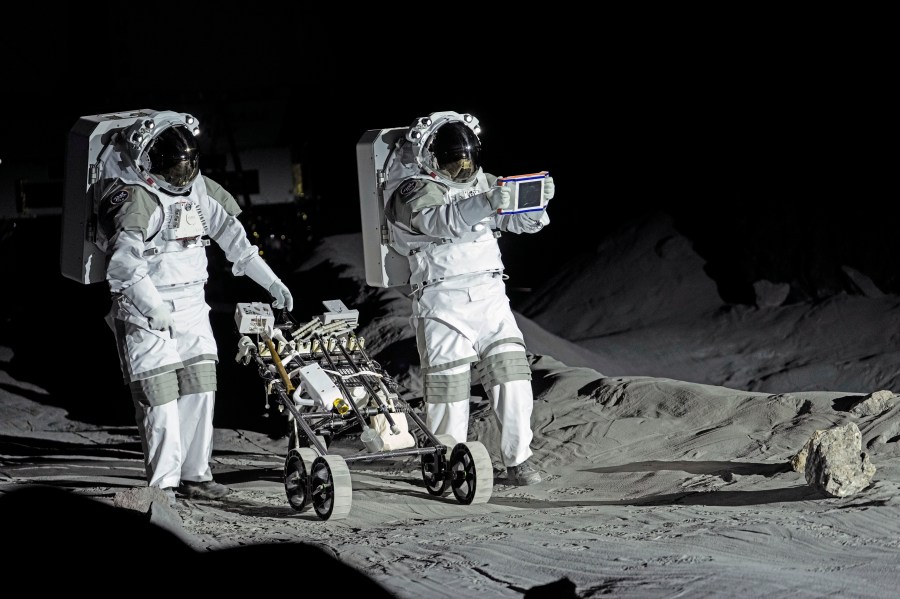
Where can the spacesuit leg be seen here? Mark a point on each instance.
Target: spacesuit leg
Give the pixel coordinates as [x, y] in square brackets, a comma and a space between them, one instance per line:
[444, 417]
[197, 385]
[446, 355]
[513, 403]
[503, 370]
[196, 417]
[160, 432]
[505, 374]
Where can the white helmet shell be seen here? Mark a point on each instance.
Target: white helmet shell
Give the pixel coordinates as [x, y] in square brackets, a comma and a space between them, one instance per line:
[138, 140]
[421, 135]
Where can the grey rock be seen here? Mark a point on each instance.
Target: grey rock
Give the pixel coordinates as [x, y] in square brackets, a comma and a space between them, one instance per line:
[165, 516]
[798, 462]
[874, 403]
[862, 282]
[140, 498]
[769, 294]
[835, 462]
[151, 501]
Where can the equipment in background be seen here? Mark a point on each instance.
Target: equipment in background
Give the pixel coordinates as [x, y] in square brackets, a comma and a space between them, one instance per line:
[324, 382]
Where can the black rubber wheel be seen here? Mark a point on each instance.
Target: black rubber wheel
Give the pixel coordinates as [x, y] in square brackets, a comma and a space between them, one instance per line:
[296, 477]
[471, 473]
[435, 468]
[331, 490]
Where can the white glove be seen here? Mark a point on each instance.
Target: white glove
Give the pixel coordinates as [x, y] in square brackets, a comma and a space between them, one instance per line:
[283, 297]
[549, 189]
[160, 319]
[259, 272]
[498, 197]
[534, 221]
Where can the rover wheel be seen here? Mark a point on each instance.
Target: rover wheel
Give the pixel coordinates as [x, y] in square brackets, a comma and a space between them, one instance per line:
[331, 490]
[296, 477]
[471, 473]
[435, 470]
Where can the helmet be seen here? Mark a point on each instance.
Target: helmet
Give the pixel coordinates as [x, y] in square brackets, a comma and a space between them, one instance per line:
[446, 145]
[163, 149]
[454, 152]
[173, 158]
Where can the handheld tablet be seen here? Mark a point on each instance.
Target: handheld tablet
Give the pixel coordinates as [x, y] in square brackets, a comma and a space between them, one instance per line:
[527, 192]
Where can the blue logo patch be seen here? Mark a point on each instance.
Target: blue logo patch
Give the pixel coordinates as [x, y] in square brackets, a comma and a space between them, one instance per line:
[120, 197]
[408, 187]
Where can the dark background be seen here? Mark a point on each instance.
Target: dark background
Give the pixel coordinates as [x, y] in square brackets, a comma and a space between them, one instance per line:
[766, 136]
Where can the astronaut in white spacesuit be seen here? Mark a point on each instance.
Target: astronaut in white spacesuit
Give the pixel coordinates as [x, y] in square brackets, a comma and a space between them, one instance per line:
[157, 215]
[443, 212]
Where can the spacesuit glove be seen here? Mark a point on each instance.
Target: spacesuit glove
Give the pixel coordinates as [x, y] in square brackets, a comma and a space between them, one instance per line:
[258, 271]
[498, 197]
[160, 319]
[532, 222]
[283, 297]
[549, 189]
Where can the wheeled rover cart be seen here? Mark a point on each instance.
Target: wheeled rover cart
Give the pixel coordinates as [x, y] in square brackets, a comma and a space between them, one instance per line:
[324, 382]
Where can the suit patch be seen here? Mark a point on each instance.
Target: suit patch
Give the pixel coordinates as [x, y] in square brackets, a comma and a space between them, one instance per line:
[410, 186]
[119, 197]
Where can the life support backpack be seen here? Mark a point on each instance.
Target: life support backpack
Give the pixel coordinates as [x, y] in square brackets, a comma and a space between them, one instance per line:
[375, 151]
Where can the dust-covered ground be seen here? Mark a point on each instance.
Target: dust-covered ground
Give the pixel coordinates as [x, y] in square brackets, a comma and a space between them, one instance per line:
[665, 448]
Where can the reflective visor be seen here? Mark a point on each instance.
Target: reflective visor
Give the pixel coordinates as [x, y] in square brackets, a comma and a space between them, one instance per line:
[181, 173]
[457, 152]
[174, 156]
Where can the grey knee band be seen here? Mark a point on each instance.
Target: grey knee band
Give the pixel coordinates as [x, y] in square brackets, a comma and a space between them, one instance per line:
[156, 390]
[448, 388]
[503, 368]
[197, 378]
[449, 365]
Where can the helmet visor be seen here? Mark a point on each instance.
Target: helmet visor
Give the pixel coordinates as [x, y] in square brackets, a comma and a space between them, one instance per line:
[456, 152]
[459, 170]
[174, 157]
[181, 173]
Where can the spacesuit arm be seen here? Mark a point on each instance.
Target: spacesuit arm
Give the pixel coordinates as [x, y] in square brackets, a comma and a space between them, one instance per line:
[126, 272]
[478, 207]
[523, 222]
[421, 206]
[483, 205]
[128, 214]
[229, 233]
[225, 229]
[221, 195]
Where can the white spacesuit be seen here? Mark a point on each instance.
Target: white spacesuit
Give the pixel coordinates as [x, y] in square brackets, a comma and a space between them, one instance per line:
[156, 216]
[443, 214]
